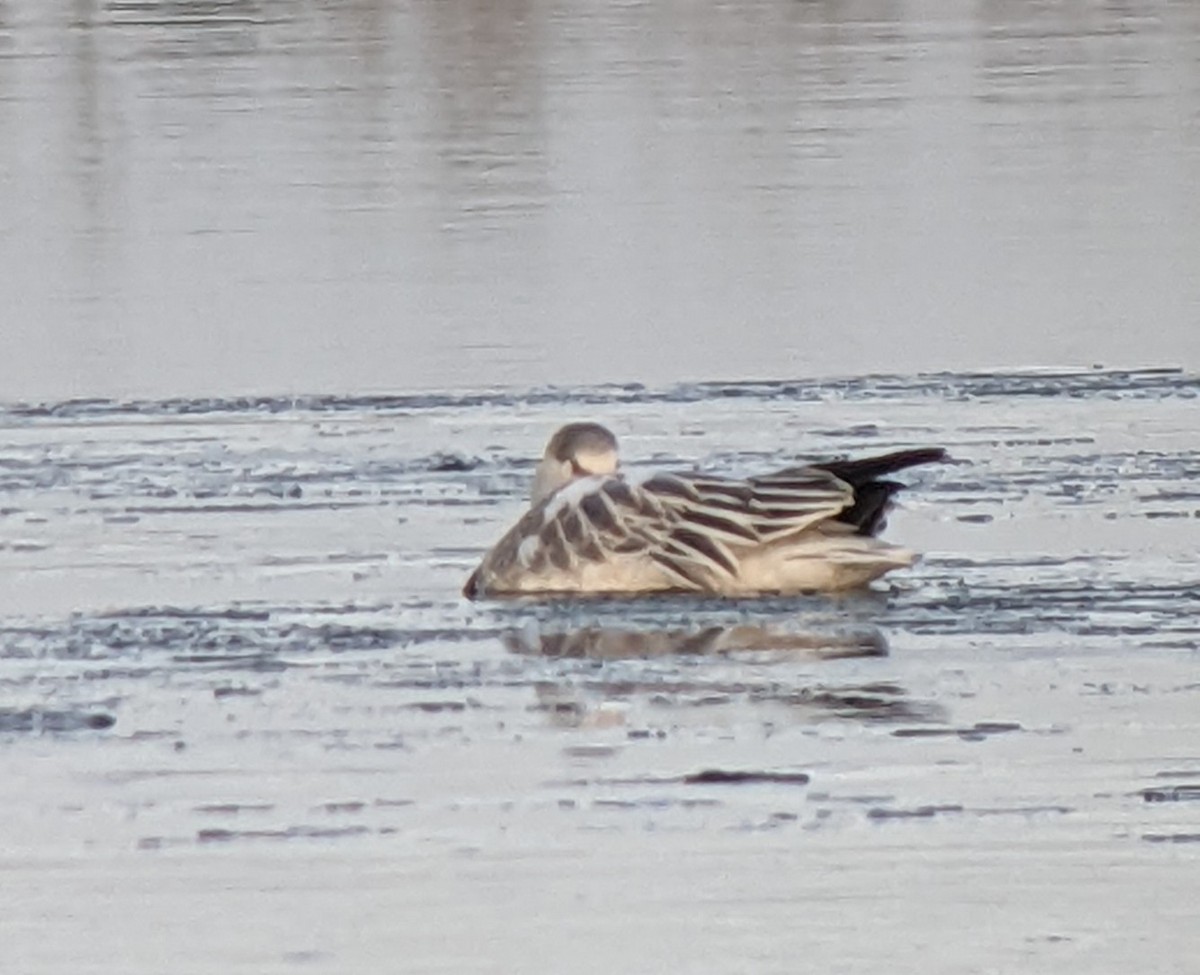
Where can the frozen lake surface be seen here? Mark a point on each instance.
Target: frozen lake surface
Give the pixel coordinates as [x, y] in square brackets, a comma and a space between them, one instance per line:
[241, 690]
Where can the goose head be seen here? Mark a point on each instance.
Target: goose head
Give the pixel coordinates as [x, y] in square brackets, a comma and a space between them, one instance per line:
[576, 450]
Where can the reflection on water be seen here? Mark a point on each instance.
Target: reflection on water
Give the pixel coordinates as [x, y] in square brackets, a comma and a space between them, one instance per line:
[600, 703]
[272, 197]
[650, 700]
[606, 673]
[614, 643]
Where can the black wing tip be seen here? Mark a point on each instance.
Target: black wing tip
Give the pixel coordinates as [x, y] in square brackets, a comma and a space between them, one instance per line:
[915, 456]
[859, 472]
[873, 493]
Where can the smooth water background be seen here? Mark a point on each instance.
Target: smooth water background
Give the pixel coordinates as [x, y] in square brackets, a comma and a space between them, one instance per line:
[281, 197]
[291, 294]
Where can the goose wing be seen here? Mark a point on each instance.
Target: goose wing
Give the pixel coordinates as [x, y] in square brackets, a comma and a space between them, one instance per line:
[713, 519]
[752, 511]
[594, 519]
[692, 526]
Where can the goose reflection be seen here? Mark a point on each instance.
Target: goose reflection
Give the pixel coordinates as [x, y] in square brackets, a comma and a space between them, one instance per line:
[607, 642]
[647, 679]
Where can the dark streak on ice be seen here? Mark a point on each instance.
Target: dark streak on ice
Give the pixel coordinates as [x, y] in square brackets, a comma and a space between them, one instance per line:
[1108, 384]
[53, 720]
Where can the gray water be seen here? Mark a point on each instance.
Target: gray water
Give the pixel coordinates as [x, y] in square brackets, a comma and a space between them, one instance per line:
[293, 296]
[279, 197]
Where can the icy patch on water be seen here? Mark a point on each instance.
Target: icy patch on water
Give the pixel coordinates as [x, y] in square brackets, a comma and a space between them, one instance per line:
[1045, 384]
[239, 622]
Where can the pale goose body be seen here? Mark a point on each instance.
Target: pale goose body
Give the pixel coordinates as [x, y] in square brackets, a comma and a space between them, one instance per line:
[589, 529]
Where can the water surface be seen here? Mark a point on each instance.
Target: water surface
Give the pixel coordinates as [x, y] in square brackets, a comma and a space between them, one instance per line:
[239, 681]
[276, 197]
[293, 294]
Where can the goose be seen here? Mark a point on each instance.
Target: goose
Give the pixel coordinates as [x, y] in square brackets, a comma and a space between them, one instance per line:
[590, 529]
